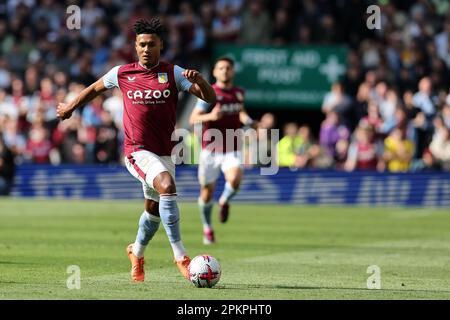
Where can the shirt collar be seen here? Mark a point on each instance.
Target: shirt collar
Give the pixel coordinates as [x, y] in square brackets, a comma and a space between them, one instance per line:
[148, 68]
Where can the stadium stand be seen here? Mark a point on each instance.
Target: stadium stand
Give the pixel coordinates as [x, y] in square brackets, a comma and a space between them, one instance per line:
[390, 111]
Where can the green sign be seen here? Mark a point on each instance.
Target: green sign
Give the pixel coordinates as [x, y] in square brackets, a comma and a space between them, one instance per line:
[290, 76]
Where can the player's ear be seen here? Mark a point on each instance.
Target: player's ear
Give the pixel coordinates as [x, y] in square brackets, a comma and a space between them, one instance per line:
[161, 44]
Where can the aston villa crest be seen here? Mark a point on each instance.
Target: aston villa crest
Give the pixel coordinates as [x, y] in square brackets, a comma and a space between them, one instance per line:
[239, 96]
[162, 77]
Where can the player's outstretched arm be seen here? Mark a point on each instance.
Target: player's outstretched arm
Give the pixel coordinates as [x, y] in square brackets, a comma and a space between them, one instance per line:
[200, 87]
[246, 120]
[65, 110]
[199, 115]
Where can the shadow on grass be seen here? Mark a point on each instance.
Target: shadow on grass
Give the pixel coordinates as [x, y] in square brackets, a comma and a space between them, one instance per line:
[230, 286]
[15, 262]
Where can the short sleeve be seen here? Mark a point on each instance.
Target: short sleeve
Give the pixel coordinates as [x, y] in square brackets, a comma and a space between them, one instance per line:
[183, 84]
[110, 79]
[202, 105]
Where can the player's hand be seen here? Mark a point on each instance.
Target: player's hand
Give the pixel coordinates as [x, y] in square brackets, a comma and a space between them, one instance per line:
[216, 114]
[63, 111]
[193, 76]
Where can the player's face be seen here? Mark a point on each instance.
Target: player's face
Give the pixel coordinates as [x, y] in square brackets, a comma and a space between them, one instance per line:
[148, 48]
[223, 71]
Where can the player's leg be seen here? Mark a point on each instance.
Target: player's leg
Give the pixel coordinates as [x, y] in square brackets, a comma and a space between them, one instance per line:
[205, 204]
[148, 222]
[208, 172]
[232, 169]
[148, 225]
[164, 184]
[233, 178]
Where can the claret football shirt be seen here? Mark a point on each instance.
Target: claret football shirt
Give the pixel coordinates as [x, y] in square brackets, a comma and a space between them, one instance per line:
[150, 99]
[231, 103]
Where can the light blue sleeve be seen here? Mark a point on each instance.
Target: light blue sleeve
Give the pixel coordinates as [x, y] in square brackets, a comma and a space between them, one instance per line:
[110, 79]
[183, 84]
[202, 105]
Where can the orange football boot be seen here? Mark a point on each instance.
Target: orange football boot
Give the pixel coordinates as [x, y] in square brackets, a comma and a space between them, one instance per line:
[183, 266]
[137, 265]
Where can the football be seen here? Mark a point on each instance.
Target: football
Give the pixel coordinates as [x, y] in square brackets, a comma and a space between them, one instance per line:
[204, 271]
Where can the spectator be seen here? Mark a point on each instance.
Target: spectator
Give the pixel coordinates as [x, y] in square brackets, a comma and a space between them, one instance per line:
[192, 33]
[288, 145]
[341, 152]
[38, 146]
[91, 14]
[363, 153]
[306, 154]
[193, 144]
[5, 76]
[7, 168]
[66, 136]
[7, 107]
[235, 6]
[282, 32]
[426, 163]
[114, 105]
[422, 133]
[106, 147]
[331, 132]
[91, 120]
[398, 151]
[259, 147]
[440, 147]
[337, 100]
[442, 41]
[388, 105]
[226, 26]
[424, 100]
[78, 153]
[328, 32]
[400, 120]
[446, 115]
[264, 136]
[373, 119]
[256, 25]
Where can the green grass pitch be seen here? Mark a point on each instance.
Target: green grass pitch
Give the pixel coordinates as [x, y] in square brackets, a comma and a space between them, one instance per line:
[266, 252]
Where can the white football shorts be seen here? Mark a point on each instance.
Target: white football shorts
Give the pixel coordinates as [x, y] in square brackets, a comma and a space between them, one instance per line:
[211, 164]
[145, 166]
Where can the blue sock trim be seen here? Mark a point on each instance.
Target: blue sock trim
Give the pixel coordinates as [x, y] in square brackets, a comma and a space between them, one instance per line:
[148, 225]
[228, 193]
[205, 211]
[170, 216]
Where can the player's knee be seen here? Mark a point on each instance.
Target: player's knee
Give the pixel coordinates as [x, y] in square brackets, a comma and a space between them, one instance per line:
[165, 184]
[206, 195]
[168, 187]
[235, 183]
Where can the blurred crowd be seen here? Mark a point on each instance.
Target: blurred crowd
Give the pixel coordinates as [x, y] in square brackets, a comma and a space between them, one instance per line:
[391, 111]
[382, 128]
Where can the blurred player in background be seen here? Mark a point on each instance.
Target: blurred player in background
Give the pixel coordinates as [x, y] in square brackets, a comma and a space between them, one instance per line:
[150, 93]
[226, 113]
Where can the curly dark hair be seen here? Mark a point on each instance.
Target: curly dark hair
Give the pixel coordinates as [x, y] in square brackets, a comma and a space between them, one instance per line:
[143, 26]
